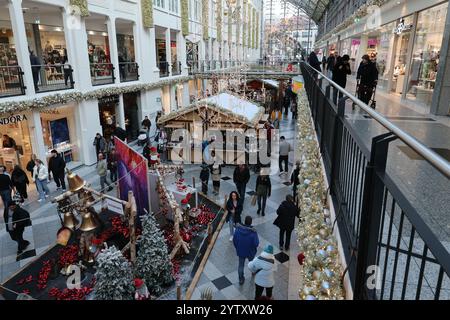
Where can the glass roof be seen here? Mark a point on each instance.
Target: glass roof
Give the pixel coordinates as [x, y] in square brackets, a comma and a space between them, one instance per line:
[313, 8]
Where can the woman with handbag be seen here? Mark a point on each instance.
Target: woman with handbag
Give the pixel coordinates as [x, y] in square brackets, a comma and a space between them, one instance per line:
[234, 209]
[20, 181]
[287, 211]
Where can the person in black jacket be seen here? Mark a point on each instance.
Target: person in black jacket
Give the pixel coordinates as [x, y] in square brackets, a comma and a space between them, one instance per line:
[287, 211]
[331, 61]
[295, 180]
[20, 181]
[35, 69]
[263, 190]
[241, 176]
[31, 164]
[146, 152]
[56, 166]
[341, 70]
[204, 178]
[234, 210]
[367, 77]
[8, 142]
[16, 221]
[5, 187]
[314, 61]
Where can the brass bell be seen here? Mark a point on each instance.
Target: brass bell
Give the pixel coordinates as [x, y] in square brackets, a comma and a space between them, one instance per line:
[88, 222]
[75, 181]
[70, 221]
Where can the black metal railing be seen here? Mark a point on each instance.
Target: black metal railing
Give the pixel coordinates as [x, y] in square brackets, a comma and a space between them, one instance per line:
[163, 68]
[11, 81]
[391, 252]
[102, 73]
[52, 77]
[176, 68]
[128, 71]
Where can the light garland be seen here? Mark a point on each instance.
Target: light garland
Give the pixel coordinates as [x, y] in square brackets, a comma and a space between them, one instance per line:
[82, 5]
[205, 19]
[321, 271]
[58, 98]
[185, 17]
[147, 13]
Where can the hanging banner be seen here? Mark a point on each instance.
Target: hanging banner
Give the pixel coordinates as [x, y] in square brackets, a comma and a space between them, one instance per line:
[132, 175]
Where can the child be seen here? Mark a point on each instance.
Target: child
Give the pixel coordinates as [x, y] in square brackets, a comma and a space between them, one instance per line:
[204, 177]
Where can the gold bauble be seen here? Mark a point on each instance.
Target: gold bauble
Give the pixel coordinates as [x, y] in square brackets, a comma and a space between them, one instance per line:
[316, 275]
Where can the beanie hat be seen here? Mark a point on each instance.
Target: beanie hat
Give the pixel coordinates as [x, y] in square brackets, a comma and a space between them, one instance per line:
[269, 249]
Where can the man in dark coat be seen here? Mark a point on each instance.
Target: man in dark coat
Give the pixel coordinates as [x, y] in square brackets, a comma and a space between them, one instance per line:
[246, 242]
[35, 69]
[146, 123]
[367, 77]
[56, 166]
[16, 221]
[295, 180]
[100, 144]
[204, 178]
[314, 61]
[241, 176]
[287, 211]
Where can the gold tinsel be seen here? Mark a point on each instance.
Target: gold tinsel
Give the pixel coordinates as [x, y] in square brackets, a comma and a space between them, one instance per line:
[321, 271]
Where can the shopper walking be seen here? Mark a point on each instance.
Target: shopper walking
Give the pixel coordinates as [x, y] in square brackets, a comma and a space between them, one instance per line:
[331, 61]
[40, 176]
[264, 267]
[100, 144]
[314, 61]
[216, 173]
[246, 242]
[31, 164]
[263, 190]
[16, 220]
[295, 180]
[102, 171]
[112, 164]
[241, 176]
[341, 70]
[287, 211]
[57, 165]
[6, 186]
[20, 181]
[367, 78]
[204, 178]
[234, 211]
[285, 148]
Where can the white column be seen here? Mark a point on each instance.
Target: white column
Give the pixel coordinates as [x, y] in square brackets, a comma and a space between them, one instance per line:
[77, 50]
[120, 112]
[20, 39]
[111, 26]
[185, 94]
[168, 50]
[89, 125]
[181, 52]
[37, 136]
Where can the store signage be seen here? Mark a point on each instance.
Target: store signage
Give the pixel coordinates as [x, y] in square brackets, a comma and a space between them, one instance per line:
[109, 99]
[13, 119]
[51, 111]
[402, 27]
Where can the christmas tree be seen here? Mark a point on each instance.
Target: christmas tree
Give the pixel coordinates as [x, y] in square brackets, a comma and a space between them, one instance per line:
[114, 277]
[153, 263]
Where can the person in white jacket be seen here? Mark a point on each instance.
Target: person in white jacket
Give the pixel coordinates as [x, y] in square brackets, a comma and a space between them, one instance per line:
[40, 176]
[263, 267]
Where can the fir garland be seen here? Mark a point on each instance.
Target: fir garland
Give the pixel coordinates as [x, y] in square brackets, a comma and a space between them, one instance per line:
[205, 19]
[219, 21]
[147, 13]
[185, 17]
[82, 5]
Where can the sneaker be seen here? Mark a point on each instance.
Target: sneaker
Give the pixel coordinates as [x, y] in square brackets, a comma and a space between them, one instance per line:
[40, 200]
[47, 196]
[231, 238]
[64, 190]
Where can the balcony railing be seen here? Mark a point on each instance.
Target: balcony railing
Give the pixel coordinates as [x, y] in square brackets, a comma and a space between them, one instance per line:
[102, 73]
[129, 71]
[163, 68]
[11, 81]
[211, 65]
[176, 68]
[52, 77]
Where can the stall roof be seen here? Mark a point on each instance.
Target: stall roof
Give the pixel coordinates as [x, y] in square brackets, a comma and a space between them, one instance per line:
[272, 83]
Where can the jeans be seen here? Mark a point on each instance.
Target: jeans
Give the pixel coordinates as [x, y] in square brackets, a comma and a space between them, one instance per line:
[264, 200]
[113, 174]
[6, 197]
[103, 181]
[284, 159]
[231, 226]
[288, 238]
[259, 291]
[241, 190]
[42, 188]
[241, 267]
[59, 179]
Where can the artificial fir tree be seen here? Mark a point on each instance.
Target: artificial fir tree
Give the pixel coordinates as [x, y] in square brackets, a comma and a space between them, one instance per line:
[153, 263]
[114, 277]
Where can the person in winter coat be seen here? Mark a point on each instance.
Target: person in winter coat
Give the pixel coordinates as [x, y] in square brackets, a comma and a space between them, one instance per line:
[146, 151]
[234, 211]
[264, 267]
[341, 70]
[16, 221]
[146, 123]
[246, 242]
[31, 164]
[263, 190]
[367, 77]
[20, 181]
[216, 172]
[40, 176]
[102, 171]
[314, 61]
[331, 61]
[100, 144]
[295, 180]
[56, 166]
[241, 176]
[5, 187]
[287, 211]
[112, 164]
[204, 178]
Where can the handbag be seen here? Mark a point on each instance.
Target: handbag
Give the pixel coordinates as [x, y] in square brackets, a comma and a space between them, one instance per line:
[254, 200]
[277, 221]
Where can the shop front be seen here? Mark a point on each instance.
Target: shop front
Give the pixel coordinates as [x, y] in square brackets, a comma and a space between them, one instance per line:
[131, 110]
[107, 107]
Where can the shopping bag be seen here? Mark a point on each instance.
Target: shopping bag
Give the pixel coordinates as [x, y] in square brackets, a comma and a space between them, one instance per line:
[254, 200]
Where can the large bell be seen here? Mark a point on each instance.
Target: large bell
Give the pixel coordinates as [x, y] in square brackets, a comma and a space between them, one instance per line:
[70, 221]
[88, 222]
[75, 181]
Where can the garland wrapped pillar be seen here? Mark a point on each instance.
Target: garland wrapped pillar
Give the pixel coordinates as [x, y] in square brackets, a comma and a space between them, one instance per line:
[244, 22]
[321, 269]
[249, 25]
[230, 31]
[253, 27]
[257, 31]
[205, 19]
[82, 5]
[219, 26]
[185, 17]
[147, 13]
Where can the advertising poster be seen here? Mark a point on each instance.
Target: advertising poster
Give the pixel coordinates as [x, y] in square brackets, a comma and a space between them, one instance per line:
[132, 175]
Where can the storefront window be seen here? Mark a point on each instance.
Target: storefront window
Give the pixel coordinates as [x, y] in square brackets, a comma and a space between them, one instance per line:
[98, 47]
[384, 55]
[401, 56]
[426, 52]
[131, 109]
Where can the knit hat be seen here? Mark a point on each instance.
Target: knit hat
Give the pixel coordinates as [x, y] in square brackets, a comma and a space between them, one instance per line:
[269, 249]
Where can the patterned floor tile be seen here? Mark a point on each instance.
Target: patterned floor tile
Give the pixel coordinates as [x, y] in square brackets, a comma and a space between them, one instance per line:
[222, 283]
